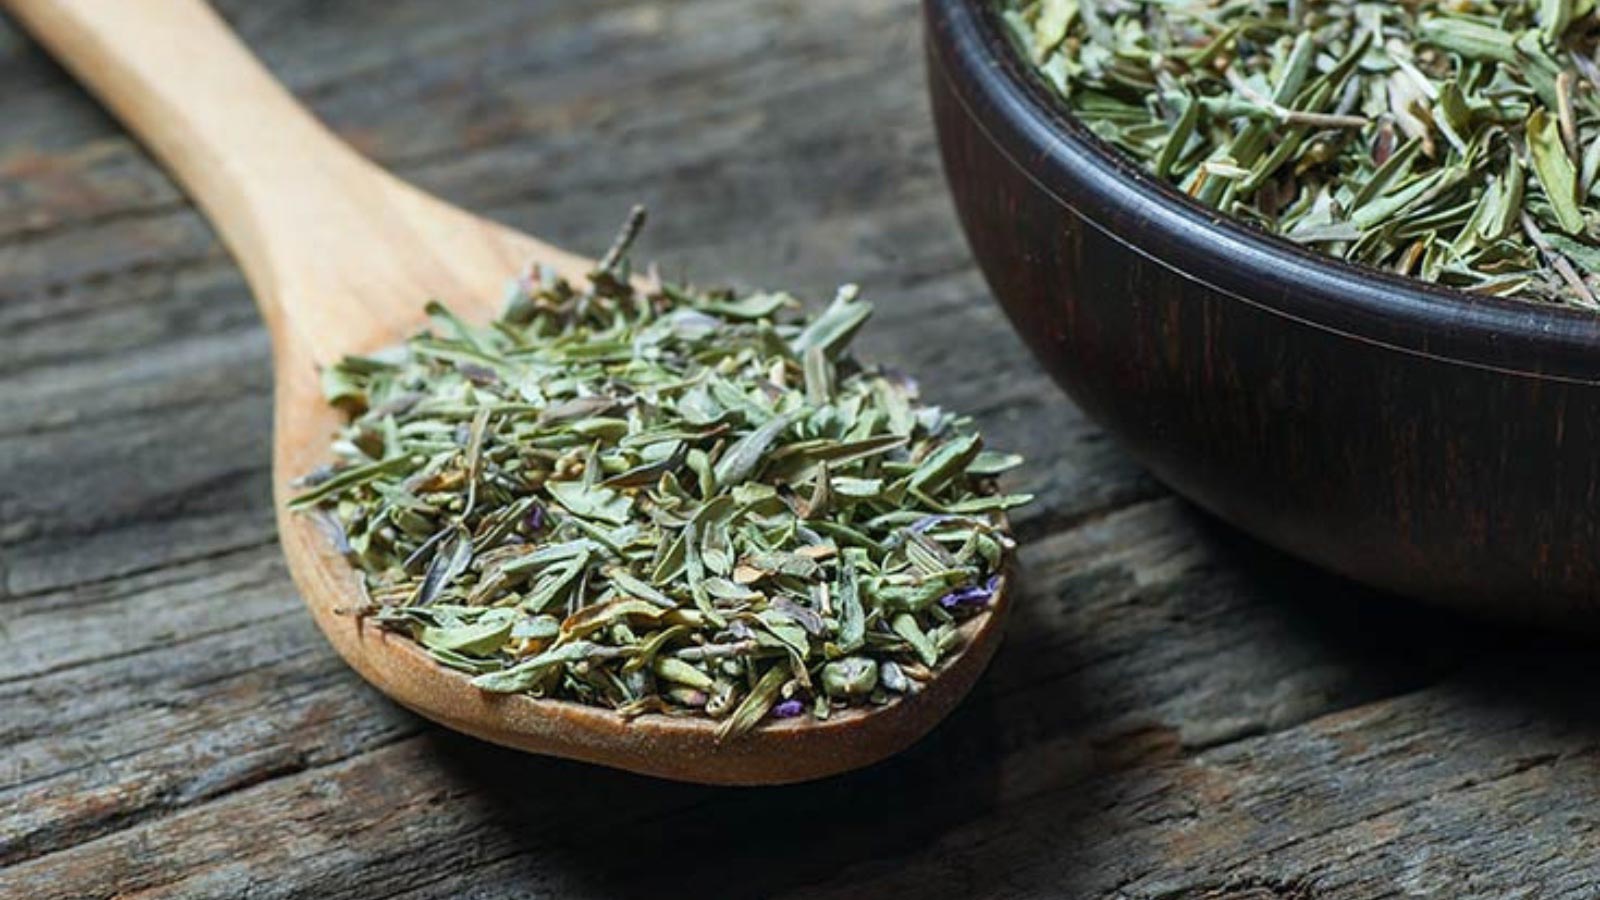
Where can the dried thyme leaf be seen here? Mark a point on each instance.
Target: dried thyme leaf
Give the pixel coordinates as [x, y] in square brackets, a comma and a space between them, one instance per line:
[1395, 135]
[480, 638]
[740, 460]
[451, 559]
[596, 502]
[528, 675]
[1555, 171]
[684, 502]
[755, 706]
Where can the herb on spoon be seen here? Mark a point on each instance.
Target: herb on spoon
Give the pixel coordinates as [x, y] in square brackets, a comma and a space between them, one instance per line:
[677, 501]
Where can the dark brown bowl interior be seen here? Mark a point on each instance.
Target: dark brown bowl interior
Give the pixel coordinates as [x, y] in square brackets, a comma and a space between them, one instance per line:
[1413, 437]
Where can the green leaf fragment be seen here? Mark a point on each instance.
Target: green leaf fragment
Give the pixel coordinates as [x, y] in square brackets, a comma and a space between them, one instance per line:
[905, 625]
[1555, 171]
[755, 707]
[682, 502]
[531, 673]
[741, 459]
[1394, 135]
[832, 330]
[479, 638]
[595, 502]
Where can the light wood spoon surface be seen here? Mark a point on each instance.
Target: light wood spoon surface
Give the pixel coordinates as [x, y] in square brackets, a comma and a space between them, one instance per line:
[341, 257]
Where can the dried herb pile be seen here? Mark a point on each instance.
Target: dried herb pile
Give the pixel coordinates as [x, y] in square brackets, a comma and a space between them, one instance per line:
[683, 502]
[1457, 141]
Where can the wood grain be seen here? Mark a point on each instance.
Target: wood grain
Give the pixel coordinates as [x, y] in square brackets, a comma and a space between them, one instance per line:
[1177, 713]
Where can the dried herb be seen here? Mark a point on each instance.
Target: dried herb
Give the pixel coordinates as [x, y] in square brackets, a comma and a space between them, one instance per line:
[1456, 142]
[679, 501]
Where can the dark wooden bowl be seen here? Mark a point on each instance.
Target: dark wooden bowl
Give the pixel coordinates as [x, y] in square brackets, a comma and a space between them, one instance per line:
[1413, 437]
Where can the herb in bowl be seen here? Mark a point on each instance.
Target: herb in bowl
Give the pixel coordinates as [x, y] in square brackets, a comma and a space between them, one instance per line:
[1456, 142]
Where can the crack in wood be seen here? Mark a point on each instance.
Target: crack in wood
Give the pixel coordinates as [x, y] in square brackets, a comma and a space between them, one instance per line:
[143, 650]
[123, 575]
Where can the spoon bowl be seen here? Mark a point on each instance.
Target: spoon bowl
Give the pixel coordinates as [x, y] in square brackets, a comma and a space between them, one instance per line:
[341, 258]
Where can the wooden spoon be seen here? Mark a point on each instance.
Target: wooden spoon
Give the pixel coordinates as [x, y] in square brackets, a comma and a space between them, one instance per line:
[341, 257]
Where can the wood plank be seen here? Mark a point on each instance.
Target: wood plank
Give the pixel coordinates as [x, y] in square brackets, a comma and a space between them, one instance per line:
[1062, 703]
[1463, 790]
[144, 653]
[239, 690]
[1177, 712]
[523, 846]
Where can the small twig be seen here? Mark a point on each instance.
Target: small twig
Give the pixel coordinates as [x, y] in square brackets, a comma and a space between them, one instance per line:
[717, 651]
[1558, 262]
[1292, 116]
[624, 239]
[1565, 116]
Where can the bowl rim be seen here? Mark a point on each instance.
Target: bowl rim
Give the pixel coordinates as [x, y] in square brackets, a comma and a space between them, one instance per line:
[971, 49]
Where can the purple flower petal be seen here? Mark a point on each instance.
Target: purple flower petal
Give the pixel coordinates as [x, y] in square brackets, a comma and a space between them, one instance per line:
[788, 709]
[971, 595]
[534, 519]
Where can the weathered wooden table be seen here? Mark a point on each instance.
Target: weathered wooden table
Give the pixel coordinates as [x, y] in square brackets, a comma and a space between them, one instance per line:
[1177, 713]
